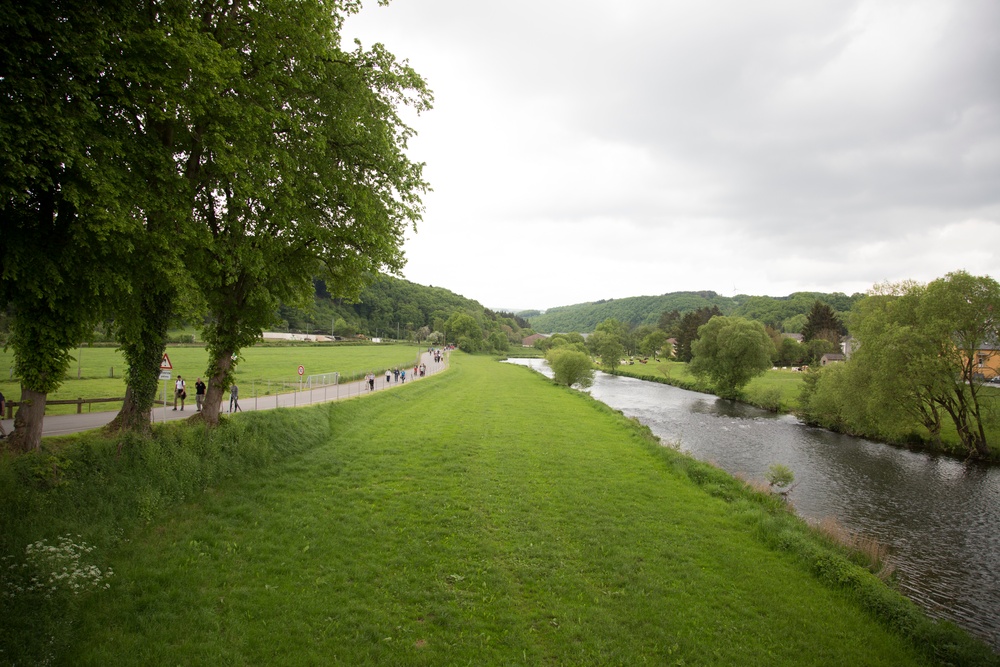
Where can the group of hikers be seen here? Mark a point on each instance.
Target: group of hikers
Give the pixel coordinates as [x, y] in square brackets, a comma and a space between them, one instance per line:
[180, 395]
[398, 375]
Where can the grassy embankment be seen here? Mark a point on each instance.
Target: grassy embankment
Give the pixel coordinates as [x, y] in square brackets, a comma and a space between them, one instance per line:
[264, 369]
[778, 390]
[482, 516]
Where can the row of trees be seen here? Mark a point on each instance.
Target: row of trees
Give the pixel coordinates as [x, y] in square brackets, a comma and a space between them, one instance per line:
[822, 334]
[728, 351]
[190, 159]
[917, 365]
[786, 314]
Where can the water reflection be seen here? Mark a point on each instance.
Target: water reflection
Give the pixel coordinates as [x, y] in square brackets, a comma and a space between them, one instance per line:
[940, 517]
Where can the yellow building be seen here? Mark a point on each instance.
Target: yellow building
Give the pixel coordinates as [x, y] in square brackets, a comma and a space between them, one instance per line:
[987, 361]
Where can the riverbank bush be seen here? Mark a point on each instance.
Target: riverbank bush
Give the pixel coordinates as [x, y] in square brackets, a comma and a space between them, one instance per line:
[481, 516]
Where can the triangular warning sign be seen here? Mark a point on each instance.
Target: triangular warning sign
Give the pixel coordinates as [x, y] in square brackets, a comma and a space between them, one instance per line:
[165, 365]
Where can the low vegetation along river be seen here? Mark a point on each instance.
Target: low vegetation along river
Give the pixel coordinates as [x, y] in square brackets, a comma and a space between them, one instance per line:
[939, 517]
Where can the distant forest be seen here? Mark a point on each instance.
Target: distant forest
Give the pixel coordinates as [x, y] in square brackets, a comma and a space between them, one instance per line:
[785, 314]
[395, 308]
[390, 308]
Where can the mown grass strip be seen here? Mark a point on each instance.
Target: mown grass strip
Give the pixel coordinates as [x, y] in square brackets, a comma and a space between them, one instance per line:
[484, 516]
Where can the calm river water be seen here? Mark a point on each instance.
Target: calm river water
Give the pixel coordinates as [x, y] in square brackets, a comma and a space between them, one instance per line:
[939, 517]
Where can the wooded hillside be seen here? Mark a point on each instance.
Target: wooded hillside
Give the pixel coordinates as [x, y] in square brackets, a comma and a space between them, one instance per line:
[390, 307]
[772, 311]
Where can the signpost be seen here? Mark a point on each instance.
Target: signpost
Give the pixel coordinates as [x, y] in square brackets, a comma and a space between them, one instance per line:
[302, 369]
[165, 368]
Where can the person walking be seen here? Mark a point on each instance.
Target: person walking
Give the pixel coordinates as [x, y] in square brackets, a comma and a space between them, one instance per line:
[234, 399]
[388, 376]
[371, 382]
[179, 392]
[199, 393]
[3, 410]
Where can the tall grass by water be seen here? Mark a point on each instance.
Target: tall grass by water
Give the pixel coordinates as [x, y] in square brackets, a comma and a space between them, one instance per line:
[481, 516]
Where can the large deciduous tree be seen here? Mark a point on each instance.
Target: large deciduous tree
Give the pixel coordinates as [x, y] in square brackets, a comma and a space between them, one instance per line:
[304, 170]
[463, 328]
[61, 197]
[170, 70]
[228, 146]
[731, 351]
[606, 344]
[916, 362]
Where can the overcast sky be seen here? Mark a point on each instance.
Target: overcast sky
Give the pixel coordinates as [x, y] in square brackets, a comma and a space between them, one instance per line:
[582, 150]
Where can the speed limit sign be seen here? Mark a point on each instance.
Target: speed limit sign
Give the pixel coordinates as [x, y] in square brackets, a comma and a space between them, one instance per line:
[302, 370]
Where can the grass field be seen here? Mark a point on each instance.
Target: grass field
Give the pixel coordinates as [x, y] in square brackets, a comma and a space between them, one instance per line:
[264, 369]
[486, 517]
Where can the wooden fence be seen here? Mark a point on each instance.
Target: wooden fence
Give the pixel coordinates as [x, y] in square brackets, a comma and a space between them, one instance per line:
[78, 402]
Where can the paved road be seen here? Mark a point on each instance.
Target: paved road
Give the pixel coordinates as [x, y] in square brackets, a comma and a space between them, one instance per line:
[63, 424]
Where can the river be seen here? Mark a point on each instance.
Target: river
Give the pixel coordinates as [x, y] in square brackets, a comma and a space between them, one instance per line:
[939, 517]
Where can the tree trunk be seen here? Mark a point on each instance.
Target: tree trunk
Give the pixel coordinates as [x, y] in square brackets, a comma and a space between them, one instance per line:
[27, 433]
[143, 341]
[216, 388]
[132, 417]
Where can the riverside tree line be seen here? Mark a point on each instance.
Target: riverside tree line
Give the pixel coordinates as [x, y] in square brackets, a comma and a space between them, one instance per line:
[198, 160]
[921, 356]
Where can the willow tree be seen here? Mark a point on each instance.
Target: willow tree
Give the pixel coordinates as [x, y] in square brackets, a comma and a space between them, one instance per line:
[961, 314]
[61, 195]
[895, 386]
[917, 349]
[300, 169]
[731, 351]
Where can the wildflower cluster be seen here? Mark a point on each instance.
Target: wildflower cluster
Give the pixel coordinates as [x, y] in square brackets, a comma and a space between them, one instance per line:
[48, 568]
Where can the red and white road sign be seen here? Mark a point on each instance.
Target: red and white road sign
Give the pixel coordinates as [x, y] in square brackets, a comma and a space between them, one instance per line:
[302, 370]
[165, 365]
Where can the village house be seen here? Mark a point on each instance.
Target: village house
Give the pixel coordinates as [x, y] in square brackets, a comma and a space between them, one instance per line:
[830, 358]
[530, 340]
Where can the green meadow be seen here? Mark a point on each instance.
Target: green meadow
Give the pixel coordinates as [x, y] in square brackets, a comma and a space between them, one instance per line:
[483, 516]
[97, 372]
